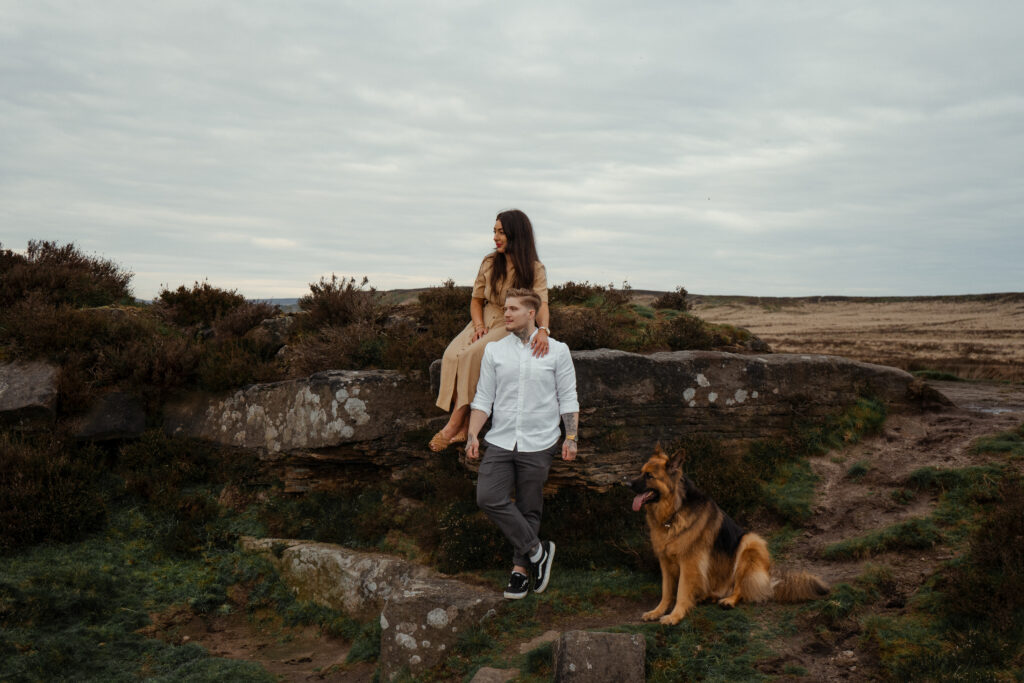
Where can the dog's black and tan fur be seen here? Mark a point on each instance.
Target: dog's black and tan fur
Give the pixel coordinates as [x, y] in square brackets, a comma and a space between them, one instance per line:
[703, 553]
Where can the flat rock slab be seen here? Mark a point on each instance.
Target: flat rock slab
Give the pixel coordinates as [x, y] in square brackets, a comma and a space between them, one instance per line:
[487, 674]
[28, 393]
[358, 583]
[592, 657]
[422, 613]
[324, 410]
[423, 621]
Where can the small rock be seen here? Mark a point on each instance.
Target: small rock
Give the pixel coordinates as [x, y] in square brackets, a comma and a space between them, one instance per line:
[28, 394]
[487, 674]
[592, 657]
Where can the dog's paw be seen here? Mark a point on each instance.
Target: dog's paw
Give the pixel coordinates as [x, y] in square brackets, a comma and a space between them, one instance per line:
[728, 603]
[670, 619]
[652, 615]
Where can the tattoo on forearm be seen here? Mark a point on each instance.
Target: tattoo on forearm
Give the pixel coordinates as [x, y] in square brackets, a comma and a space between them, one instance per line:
[572, 424]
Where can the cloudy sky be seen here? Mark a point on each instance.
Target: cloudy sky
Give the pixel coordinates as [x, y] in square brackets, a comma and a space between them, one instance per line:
[772, 148]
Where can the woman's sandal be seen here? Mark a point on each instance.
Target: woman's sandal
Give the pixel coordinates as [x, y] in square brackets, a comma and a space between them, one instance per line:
[441, 442]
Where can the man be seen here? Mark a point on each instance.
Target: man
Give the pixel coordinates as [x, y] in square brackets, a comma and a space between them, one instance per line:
[527, 395]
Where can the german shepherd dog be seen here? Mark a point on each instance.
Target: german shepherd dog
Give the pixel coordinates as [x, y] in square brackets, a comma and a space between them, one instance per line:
[703, 553]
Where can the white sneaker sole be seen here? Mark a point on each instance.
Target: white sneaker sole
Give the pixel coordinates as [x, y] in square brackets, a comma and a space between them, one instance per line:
[515, 596]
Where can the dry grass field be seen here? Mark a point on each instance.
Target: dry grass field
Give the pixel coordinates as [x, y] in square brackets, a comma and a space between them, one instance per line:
[975, 337]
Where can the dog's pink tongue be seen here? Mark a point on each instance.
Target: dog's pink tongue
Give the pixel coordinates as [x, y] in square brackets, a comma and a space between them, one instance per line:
[638, 502]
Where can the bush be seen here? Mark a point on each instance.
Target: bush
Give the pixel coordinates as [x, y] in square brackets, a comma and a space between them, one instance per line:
[686, 332]
[587, 294]
[988, 585]
[47, 492]
[61, 275]
[444, 310]
[201, 304]
[342, 302]
[674, 300]
[241, 319]
[589, 328]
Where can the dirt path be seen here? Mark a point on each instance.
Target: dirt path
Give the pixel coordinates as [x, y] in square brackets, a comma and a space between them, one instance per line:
[849, 506]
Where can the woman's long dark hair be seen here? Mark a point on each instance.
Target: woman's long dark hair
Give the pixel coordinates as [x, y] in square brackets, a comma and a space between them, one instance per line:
[519, 248]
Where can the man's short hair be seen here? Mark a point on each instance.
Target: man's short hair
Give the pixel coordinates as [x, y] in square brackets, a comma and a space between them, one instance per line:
[529, 297]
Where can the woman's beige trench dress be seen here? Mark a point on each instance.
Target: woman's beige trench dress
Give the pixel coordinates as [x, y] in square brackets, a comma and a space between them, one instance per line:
[460, 366]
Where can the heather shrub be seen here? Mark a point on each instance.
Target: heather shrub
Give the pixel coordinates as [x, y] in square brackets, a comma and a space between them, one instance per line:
[47, 491]
[225, 364]
[61, 275]
[200, 304]
[685, 332]
[243, 318]
[587, 294]
[589, 328]
[675, 300]
[444, 310]
[987, 585]
[349, 347]
[340, 302]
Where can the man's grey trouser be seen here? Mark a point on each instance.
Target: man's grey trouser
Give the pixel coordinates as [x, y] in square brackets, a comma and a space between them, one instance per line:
[504, 473]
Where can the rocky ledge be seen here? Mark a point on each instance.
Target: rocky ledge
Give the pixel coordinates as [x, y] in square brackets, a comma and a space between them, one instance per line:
[315, 428]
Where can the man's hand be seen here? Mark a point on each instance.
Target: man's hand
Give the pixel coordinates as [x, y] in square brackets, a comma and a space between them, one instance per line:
[568, 450]
[472, 447]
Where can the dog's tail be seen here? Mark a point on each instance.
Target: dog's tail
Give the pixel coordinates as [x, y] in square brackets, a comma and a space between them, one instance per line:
[798, 586]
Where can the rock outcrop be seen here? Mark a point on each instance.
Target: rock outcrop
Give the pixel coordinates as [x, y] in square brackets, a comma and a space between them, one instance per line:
[631, 401]
[28, 394]
[422, 613]
[334, 409]
[358, 583]
[595, 657]
[316, 426]
[423, 620]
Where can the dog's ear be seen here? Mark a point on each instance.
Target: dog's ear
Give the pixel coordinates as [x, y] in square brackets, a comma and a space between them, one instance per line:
[658, 450]
[675, 462]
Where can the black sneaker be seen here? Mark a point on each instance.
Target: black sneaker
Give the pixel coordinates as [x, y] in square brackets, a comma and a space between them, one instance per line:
[518, 586]
[541, 569]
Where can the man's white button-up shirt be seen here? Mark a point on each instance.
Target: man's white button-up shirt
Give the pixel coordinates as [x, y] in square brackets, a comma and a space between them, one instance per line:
[527, 394]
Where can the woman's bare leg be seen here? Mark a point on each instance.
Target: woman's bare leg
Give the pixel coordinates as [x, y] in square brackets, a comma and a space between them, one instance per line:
[457, 423]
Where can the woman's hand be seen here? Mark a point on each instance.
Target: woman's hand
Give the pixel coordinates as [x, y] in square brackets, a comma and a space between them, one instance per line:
[478, 333]
[540, 344]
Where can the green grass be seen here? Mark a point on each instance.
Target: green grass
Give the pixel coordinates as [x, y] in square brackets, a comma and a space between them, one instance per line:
[962, 495]
[912, 534]
[865, 417]
[858, 469]
[790, 493]
[73, 610]
[1011, 443]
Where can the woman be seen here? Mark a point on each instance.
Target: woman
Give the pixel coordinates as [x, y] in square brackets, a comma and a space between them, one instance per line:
[513, 263]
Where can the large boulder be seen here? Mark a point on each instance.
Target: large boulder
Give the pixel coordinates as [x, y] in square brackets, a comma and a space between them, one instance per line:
[423, 620]
[422, 613]
[28, 394]
[338, 408]
[315, 427]
[630, 401]
[358, 583]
